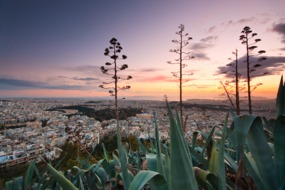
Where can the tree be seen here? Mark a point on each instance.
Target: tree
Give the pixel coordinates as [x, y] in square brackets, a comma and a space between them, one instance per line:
[248, 39]
[182, 42]
[113, 51]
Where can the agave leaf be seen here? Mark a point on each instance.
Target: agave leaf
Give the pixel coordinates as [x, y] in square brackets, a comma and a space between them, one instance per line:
[94, 167]
[17, 184]
[242, 180]
[227, 158]
[135, 160]
[181, 168]
[57, 163]
[81, 183]
[90, 182]
[280, 99]
[199, 157]
[178, 120]
[83, 163]
[119, 177]
[282, 185]
[152, 162]
[221, 173]
[252, 170]
[158, 150]
[141, 146]
[98, 172]
[166, 166]
[75, 180]
[231, 162]
[29, 174]
[105, 152]
[36, 186]
[79, 171]
[268, 124]
[109, 168]
[272, 148]
[116, 160]
[68, 174]
[124, 163]
[209, 138]
[201, 174]
[279, 146]
[102, 175]
[40, 181]
[231, 135]
[46, 181]
[63, 182]
[242, 125]
[94, 182]
[156, 180]
[260, 151]
[9, 185]
[232, 113]
[213, 160]
[213, 180]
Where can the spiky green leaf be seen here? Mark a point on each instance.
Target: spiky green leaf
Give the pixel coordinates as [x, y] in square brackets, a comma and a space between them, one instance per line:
[29, 174]
[221, 164]
[152, 162]
[181, 168]
[261, 154]
[105, 152]
[280, 99]
[279, 146]
[158, 149]
[213, 162]
[124, 162]
[253, 170]
[156, 180]
[208, 137]
[63, 182]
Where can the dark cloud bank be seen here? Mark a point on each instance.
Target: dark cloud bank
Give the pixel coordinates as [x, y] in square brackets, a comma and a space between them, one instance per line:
[16, 84]
[271, 66]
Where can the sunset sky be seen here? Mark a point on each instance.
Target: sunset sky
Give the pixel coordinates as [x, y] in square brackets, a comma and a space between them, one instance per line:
[55, 48]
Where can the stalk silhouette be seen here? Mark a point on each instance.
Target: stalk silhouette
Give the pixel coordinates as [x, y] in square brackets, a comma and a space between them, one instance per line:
[248, 39]
[182, 42]
[229, 85]
[113, 51]
[237, 83]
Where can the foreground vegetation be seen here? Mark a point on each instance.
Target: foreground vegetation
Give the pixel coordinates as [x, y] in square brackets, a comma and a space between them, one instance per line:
[249, 155]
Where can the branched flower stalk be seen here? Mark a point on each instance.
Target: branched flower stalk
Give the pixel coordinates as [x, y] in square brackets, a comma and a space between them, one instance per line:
[248, 39]
[112, 69]
[237, 75]
[229, 85]
[182, 42]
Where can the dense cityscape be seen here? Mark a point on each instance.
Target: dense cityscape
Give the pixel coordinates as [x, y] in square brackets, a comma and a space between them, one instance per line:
[29, 130]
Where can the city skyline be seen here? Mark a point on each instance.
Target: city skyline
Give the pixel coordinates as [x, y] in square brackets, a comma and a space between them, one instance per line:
[56, 48]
